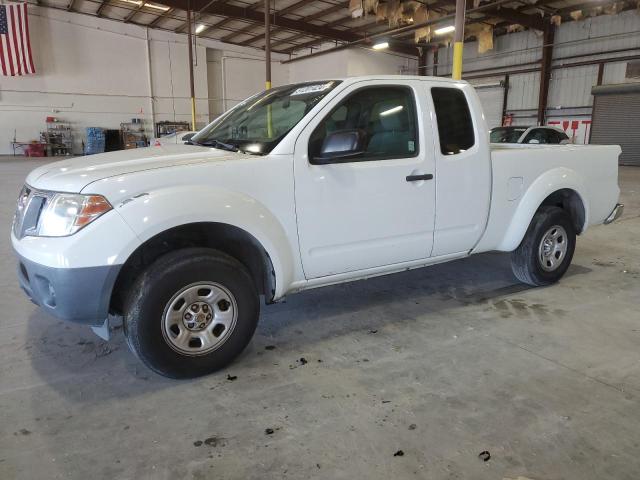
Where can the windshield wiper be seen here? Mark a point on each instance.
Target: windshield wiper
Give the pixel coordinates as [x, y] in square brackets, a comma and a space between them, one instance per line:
[216, 144]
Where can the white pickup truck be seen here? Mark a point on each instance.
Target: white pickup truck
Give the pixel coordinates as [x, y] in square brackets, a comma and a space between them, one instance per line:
[297, 187]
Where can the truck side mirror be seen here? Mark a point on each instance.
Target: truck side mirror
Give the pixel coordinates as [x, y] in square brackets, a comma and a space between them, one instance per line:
[340, 146]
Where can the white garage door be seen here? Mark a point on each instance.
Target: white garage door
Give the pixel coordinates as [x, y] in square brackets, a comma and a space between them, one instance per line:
[491, 98]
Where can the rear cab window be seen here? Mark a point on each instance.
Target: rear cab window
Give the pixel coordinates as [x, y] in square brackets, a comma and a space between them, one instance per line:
[455, 124]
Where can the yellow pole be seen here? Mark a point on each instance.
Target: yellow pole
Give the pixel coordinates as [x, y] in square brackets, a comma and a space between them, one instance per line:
[458, 41]
[193, 113]
[269, 117]
[191, 80]
[267, 61]
[456, 72]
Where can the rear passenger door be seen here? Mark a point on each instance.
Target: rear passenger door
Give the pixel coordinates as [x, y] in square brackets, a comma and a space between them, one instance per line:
[368, 210]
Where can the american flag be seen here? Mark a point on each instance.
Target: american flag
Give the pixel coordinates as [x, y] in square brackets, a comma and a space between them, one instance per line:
[15, 46]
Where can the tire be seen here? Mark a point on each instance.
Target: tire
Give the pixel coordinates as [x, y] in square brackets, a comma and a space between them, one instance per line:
[191, 312]
[545, 253]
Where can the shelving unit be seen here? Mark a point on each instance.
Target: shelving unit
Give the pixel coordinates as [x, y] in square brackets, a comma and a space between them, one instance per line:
[132, 134]
[58, 139]
[167, 128]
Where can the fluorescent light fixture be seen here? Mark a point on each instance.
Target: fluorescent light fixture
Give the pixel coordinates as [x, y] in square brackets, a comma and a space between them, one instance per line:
[200, 28]
[443, 30]
[155, 6]
[391, 111]
[140, 3]
[380, 45]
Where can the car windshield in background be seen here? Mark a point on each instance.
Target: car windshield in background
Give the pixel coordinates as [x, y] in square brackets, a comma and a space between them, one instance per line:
[506, 134]
[259, 123]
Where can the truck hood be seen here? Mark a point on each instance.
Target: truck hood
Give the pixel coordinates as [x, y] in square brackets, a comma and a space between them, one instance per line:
[74, 174]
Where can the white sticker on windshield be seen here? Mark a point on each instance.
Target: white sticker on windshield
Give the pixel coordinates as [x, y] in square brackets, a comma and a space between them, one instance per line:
[311, 89]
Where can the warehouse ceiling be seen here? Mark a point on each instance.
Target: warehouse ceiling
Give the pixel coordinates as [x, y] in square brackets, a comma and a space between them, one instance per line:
[299, 26]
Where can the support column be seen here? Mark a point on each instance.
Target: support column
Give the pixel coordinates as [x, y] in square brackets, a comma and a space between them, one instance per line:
[423, 61]
[267, 43]
[600, 73]
[191, 80]
[505, 98]
[267, 61]
[545, 71]
[150, 81]
[458, 41]
[435, 62]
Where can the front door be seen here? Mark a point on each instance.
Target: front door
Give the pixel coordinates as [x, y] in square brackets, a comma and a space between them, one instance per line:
[377, 206]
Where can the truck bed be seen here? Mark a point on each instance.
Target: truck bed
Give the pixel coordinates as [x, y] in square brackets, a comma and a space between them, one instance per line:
[524, 175]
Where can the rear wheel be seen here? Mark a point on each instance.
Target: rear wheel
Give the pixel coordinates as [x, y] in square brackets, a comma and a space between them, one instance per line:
[191, 312]
[545, 253]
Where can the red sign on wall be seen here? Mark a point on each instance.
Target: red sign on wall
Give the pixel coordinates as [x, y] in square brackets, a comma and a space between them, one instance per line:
[577, 128]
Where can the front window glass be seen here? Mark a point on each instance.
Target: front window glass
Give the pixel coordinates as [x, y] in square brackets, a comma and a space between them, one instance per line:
[259, 123]
[383, 117]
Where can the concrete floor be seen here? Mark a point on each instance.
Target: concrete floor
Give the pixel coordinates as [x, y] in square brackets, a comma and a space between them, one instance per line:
[441, 363]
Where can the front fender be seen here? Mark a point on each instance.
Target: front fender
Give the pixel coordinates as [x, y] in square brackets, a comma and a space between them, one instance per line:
[157, 211]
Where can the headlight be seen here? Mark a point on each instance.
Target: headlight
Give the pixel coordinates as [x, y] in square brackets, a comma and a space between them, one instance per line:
[66, 213]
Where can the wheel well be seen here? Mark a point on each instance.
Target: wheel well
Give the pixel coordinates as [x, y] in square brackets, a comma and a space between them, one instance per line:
[229, 239]
[569, 201]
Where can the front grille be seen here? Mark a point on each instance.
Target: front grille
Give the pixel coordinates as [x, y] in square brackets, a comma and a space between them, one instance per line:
[30, 205]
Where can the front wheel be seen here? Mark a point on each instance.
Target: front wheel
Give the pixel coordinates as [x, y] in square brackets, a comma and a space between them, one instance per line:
[545, 253]
[191, 312]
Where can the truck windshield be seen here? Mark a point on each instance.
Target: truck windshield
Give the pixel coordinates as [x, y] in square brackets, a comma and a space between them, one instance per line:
[260, 122]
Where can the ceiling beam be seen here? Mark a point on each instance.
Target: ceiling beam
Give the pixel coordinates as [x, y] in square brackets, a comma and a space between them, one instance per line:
[184, 25]
[293, 7]
[309, 18]
[221, 23]
[241, 32]
[134, 12]
[439, 5]
[327, 11]
[233, 11]
[398, 31]
[101, 7]
[159, 18]
[248, 28]
[320, 40]
[514, 16]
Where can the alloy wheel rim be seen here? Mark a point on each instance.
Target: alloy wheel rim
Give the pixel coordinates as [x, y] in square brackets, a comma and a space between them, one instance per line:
[553, 248]
[199, 318]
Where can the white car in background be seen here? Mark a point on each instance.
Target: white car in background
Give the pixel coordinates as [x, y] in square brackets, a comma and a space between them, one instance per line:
[176, 138]
[532, 135]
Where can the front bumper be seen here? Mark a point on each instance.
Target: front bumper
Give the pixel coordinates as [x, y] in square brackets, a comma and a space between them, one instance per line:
[615, 214]
[79, 295]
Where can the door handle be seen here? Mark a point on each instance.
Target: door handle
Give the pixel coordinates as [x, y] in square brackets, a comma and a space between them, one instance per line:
[415, 178]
